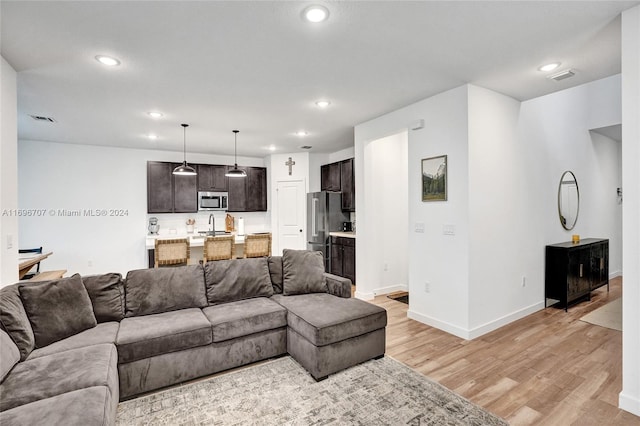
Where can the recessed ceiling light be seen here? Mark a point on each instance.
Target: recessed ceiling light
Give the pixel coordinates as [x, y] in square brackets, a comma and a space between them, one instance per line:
[152, 136]
[301, 133]
[271, 148]
[107, 60]
[316, 13]
[549, 67]
[323, 104]
[155, 114]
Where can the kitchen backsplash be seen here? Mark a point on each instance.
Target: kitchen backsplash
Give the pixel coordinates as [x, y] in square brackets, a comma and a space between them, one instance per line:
[176, 223]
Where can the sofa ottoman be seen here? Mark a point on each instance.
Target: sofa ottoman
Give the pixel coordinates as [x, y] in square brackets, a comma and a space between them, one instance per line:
[66, 379]
[327, 334]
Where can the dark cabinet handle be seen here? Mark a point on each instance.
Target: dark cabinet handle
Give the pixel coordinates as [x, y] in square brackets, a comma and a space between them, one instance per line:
[581, 270]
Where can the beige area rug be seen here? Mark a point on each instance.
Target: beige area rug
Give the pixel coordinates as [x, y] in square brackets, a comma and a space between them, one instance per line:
[609, 315]
[280, 392]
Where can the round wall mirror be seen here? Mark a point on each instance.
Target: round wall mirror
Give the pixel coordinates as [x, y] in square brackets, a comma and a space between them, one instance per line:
[568, 200]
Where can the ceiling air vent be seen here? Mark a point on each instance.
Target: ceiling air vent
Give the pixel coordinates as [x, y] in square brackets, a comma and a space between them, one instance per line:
[306, 147]
[562, 75]
[42, 118]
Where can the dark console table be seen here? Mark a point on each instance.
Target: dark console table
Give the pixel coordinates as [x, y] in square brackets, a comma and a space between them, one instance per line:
[573, 270]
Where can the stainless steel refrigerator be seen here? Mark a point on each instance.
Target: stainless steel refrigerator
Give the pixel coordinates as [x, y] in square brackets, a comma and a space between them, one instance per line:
[324, 215]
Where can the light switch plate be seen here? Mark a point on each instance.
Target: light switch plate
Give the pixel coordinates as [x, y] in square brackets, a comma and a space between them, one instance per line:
[419, 227]
[9, 241]
[448, 229]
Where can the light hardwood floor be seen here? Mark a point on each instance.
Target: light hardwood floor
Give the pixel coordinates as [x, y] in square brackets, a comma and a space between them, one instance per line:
[549, 368]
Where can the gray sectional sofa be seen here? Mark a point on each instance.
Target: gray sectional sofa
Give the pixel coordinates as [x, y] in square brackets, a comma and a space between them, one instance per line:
[70, 349]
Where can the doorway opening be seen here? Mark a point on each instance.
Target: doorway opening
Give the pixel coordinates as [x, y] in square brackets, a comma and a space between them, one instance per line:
[386, 204]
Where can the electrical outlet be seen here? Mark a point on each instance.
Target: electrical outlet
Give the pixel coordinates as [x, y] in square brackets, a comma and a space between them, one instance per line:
[9, 241]
[419, 227]
[427, 287]
[448, 230]
[386, 267]
[90, 263]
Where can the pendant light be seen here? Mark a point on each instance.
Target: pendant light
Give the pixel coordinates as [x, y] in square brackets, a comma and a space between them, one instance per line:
[235, 172]
[184, 169]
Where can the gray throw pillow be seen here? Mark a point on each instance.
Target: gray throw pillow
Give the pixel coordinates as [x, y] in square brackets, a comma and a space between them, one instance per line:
[107, 296]
[57, 309]
[9, 355]
[237, 279]
[14, 320]
[275, 270]
[153, 291]
[303, 272]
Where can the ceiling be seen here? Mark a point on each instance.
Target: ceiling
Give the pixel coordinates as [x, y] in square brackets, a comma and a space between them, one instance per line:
[259, 67]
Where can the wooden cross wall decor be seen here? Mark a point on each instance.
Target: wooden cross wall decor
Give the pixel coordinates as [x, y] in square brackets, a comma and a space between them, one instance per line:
[290, 163]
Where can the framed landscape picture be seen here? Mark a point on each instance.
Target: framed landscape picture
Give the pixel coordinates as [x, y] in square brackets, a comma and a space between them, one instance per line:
[434, 178]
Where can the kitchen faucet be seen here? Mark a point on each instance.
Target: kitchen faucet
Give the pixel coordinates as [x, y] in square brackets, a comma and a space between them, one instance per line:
[212, 223]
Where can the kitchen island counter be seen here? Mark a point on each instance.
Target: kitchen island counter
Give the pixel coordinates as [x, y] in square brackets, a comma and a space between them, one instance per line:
[342, 234]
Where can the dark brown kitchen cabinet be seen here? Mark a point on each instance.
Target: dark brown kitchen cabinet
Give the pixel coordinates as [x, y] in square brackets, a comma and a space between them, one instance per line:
[573, 270]
[159, 187]
[248, 194]
[330, 177]
[185, 193]
[256, 189]
[168, 193]
[343, 257]
[237, 201]
[339, 177]
[347, 186]
[212, 178]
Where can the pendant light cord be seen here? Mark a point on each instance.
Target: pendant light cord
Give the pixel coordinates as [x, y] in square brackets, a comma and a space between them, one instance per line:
[235, 149]
[184, 142]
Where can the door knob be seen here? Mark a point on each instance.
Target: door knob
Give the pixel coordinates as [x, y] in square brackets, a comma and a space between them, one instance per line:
[301, 230]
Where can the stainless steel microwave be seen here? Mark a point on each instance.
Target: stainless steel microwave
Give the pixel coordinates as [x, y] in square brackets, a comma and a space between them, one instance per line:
[212, 200]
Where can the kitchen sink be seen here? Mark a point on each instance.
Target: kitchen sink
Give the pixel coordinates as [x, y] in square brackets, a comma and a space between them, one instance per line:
[211, 233]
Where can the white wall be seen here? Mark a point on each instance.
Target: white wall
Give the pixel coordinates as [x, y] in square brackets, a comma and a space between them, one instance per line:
[505, 160]
[315, 162]
[54, 176]
[555, 130]
[280, 172]
[8, 175]
[433, 257]
[505, 243]
[343, 154]
[386, 206]
[630, 395]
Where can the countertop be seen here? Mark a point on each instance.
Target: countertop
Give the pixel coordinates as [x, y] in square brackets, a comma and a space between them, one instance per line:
[343, 234]
[195, 240]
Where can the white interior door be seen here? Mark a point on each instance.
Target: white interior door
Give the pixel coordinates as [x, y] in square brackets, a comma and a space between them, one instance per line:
[291, 215]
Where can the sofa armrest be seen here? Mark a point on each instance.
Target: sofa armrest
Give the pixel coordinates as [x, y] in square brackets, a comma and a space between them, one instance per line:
[338, 286]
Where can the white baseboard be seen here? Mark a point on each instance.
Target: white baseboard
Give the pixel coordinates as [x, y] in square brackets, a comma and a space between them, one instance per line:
[363, 295]
[390, 289]
[502, 321]
[629, 403]
[441, 325]
[614, 274]
[477, 331]
[379, 291]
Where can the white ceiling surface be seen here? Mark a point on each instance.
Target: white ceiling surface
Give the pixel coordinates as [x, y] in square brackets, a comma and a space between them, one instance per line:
[258, 67]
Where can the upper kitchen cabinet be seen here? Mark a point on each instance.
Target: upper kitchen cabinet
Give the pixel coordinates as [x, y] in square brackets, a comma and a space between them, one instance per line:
[330, 177]
[347, 185]
[256, 189]
[168, 193]
[212, 178]
[159, 187]
[248, 194]
[185, 193]
[339, 177]
[237, 201]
